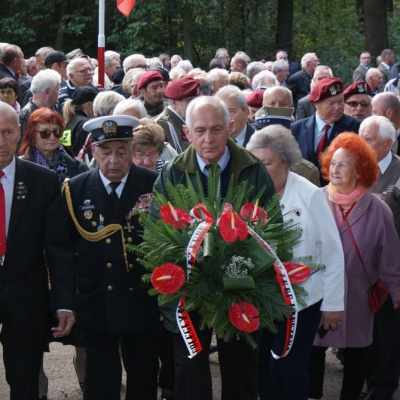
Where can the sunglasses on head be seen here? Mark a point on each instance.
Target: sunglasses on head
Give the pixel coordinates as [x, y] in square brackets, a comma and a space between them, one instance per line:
[45, 134]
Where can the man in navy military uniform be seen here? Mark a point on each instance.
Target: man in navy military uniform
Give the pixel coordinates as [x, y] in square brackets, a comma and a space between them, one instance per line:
[113, 304]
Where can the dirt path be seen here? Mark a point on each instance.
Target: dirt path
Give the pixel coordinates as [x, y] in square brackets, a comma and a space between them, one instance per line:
[63, 383]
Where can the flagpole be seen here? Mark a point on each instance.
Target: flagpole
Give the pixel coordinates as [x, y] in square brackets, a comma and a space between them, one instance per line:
[101, 44]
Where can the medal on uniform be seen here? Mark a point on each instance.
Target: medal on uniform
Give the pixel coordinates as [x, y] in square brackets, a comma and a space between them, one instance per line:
[88, 214]
[101, 222]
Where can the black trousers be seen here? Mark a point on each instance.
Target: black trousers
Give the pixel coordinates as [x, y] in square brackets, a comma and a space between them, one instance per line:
[22, 354]
[383, 371]
[287, 378]
[354, 372]
[104, 370]
[238, 365]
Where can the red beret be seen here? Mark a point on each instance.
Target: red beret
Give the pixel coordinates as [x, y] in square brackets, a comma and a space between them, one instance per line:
[148, 77]
[360, 87]
[326, 88]
[181, 88]
[255, 99]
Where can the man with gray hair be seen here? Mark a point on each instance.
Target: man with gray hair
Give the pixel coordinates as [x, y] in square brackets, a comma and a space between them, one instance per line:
[105, 102]
[383, 368]
[45, 89]
[281, 70]
[174, 60]
[80, 73]
[374, 80]
[110, 66]
[235, 100]
[208, 128]
[264, 80]
[307, 108]
[134, 61]
[219, 78]
[253, 69]
[223, 55]
[299, 83]
[40, 55]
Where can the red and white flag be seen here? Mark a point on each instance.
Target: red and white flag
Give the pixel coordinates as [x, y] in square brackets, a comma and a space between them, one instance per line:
[126, 6]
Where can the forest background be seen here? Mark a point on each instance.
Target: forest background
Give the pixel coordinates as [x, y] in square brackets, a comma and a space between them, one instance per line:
[336, 30]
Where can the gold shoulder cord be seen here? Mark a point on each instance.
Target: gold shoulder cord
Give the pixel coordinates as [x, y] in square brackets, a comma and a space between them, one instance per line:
[93, 236]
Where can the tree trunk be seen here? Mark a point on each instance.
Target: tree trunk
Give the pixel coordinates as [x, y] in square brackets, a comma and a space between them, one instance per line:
[284, 34]
[187, 31]
[375, 27]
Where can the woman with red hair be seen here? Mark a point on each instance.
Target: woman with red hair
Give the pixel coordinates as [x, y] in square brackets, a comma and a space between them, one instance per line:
[41, 144]
[370, 246]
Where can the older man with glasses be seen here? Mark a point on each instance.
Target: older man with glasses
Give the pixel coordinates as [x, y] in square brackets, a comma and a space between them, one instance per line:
[80, 73]
[357, 100]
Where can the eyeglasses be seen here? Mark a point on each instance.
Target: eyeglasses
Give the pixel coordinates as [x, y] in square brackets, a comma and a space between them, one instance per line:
[363, 103]
[365, 58]
[86, 70]
[144, 66]
[141, 156]
[45, 134]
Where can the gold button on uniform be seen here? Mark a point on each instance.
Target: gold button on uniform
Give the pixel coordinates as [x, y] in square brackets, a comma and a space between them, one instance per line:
[131, 289]
[109, 265]
[108, 240]
[109, 288]
[130, 240]
[130, 266]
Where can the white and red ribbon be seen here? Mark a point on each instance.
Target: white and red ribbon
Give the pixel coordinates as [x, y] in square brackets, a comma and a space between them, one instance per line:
[288, 295]
[185, 324]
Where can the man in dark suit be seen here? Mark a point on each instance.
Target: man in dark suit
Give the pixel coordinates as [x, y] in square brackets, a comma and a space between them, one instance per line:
[235, 100]
[113, 305]
[383, 371]
[360, 72]
[180, 93]
[387, 61]
[293, 65]
[315, 133]
[299, 83]
[11, 62]
[37, 250]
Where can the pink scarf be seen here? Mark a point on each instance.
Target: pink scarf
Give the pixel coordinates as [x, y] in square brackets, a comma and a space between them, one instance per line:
[344, 199]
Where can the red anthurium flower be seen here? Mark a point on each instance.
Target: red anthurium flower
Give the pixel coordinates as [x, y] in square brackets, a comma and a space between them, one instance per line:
[252, 211]
[297, 273]
[244, 316]
[232, 227]
[200, 211]
[168, 278]
[175, 216]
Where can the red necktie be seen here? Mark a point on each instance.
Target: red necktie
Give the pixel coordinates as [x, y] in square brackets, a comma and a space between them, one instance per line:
[2, 218]
[323, 141]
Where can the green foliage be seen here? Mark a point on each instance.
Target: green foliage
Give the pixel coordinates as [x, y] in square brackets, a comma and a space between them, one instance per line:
[332, 29]
[217, 279]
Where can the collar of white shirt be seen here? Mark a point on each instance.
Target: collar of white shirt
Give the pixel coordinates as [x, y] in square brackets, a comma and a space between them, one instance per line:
[385, 162]
[106, 183]
[222, 162]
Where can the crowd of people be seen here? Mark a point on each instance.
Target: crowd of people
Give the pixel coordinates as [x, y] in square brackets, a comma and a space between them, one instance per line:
[293, 129]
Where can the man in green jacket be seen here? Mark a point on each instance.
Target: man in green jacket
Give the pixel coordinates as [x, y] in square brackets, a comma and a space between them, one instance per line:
[208, 128]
